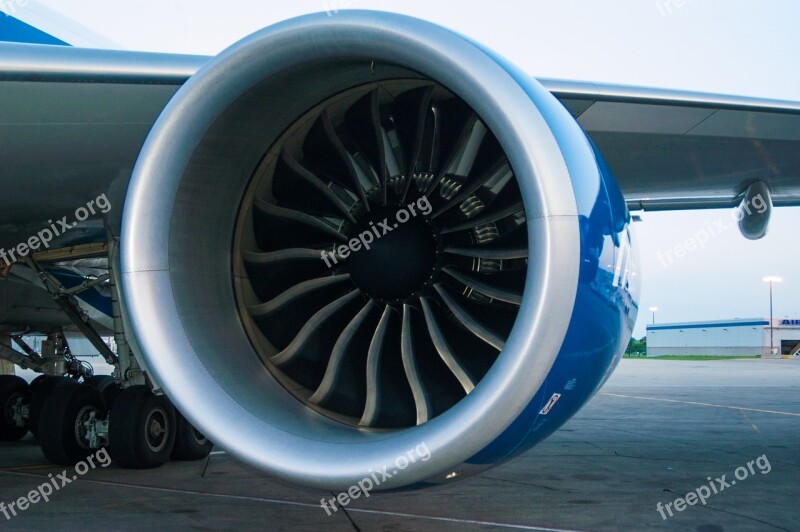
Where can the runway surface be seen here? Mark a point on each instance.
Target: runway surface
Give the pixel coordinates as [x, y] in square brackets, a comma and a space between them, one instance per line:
[657, 431]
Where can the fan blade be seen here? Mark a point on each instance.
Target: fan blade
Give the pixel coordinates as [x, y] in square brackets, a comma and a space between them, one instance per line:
[338, 354]
[484, 288]
[282, 255]
[412, 374]
[469, 321]
[469, 143]
[317, 184]
[443, 348]
[321, 224]
[490, 252]
[422, 114]
[294, 292]
[352, 168]
[485, 219]
[375, 118]
[371, 407]
[316, 321]
[499, 170]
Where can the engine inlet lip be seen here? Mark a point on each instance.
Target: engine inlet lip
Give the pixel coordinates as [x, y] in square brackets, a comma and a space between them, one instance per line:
[549, 200]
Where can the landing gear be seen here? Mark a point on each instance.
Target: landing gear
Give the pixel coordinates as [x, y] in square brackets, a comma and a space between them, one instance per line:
[142, 429]
[67, 421]
[35, 382]
[107, 386]
[41, 390]
[71, 421]
[15, 397]
[190, 444]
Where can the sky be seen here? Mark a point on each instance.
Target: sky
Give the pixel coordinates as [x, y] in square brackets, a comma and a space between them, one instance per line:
[736, 47]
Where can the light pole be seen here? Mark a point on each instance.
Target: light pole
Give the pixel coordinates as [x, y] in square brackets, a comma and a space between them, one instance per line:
[770, 280]
[653, 310]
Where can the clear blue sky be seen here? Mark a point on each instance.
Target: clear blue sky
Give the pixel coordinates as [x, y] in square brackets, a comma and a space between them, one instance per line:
[731, 46]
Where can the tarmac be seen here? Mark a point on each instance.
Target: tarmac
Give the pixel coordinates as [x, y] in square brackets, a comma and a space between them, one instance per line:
[657, 431]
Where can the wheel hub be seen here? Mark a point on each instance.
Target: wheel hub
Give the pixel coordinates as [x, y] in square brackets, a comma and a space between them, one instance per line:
[83, 425]
[156, 430]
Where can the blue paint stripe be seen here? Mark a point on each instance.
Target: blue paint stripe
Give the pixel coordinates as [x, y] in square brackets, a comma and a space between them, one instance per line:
[706, 325]
[91, 297]
[14, 30]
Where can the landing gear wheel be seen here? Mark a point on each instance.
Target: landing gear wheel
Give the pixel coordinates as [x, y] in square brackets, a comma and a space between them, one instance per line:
[62, 426]
[190, 444]
[39, 394]
[107, 386]
[14, 393]
[141, 429]
[35, 382]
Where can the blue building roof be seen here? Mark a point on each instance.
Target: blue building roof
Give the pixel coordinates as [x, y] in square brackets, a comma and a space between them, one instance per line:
[749, 322]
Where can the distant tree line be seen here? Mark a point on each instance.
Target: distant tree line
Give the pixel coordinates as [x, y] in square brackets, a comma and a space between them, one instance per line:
[637, 348]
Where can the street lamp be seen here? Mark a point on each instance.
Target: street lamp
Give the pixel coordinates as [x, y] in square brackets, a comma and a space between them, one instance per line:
[770, 280]
[653, 310]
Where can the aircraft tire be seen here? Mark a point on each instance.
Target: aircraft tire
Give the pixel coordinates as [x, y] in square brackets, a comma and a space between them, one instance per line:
[62, 431]
[107, 386]
[39, 394]
[35, 382]
[12, 389]
[142, 429]
[190, 444]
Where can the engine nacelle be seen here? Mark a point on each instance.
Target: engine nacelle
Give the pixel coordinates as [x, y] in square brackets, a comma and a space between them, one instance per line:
[364, 241]
[755, 211]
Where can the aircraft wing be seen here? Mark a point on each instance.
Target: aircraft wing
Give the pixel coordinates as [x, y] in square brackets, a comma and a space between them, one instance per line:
[688, 150]
[82, 115]
[72, 121]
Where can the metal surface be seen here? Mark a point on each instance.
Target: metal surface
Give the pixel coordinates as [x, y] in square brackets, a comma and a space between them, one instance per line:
[754, 211]
[31, 62]
[672, 149]
[195, 188]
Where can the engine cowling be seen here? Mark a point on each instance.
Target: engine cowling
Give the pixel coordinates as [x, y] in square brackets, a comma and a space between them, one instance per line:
[364, 241]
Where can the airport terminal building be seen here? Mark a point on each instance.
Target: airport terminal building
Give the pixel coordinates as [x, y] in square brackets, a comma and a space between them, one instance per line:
[738, 337]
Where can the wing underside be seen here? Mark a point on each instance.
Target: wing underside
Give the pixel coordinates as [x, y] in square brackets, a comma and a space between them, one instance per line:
[682, 150]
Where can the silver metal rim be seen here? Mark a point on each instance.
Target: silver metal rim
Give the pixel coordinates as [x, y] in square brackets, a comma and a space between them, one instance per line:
[539, 150]
[80, 428]
[156, 428]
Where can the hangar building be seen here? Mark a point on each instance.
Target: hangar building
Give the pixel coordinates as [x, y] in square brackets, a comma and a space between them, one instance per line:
[738, 337]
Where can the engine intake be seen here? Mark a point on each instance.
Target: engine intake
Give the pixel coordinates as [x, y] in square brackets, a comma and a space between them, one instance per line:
[311, 359]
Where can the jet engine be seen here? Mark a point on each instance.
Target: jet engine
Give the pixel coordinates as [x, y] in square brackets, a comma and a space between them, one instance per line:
[363, 243]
